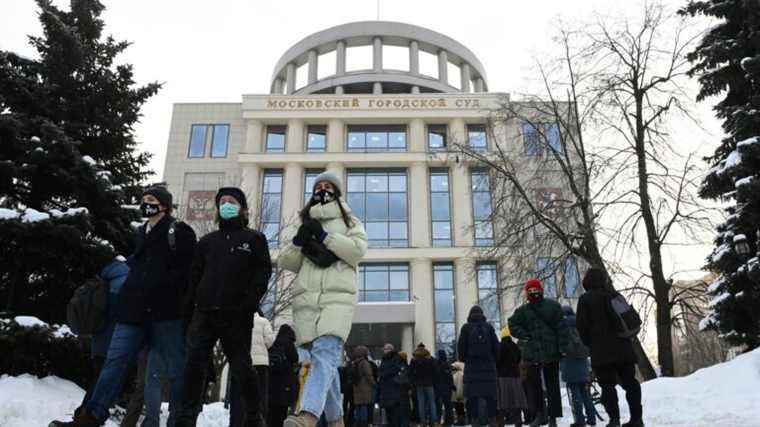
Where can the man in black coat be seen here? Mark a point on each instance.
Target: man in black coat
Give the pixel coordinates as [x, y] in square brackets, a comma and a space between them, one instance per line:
[389, 384]
[422, 373]
[444, 386]
[612, 357]
[478, 348]
[230, 274]
[149, 308]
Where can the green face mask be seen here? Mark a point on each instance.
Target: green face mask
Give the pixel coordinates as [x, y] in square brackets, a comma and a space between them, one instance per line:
[229, 210]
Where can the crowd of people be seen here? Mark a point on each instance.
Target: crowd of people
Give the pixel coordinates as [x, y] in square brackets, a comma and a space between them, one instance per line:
[175, 297]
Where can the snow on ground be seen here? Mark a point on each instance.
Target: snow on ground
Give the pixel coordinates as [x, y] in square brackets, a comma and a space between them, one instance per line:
[725, 395]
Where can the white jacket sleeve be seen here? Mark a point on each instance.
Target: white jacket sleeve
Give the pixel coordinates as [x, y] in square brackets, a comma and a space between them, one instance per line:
[350, 247]
[268, 334]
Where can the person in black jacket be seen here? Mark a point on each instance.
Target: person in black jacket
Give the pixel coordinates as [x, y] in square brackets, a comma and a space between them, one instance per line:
[229, 277]
[512, 398]
[422, 372]
[478, 348]
[612, 357]
[149, 307]
[389, 384]
[283, 382]
[444, 387]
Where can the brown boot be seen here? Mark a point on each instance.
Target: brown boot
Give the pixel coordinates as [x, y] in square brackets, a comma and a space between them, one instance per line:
[304, 419]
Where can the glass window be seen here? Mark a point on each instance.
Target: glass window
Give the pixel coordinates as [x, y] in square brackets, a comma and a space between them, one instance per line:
[546, 271]
[440, 207]
[316, 139]
[482, 208]
[572, 277]
[488, 292]
[197, 141]
[436, 137]
[376, 138]
[553, 137]
[540, 136]
[379, 199]
[308, 183]
[271, 205]
[476, 135]
[220, 140]
[383, 282]
[445, 320]
[276, 139]
[531, 140]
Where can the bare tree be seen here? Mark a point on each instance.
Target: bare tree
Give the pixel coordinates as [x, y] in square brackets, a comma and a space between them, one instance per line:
[558, 193]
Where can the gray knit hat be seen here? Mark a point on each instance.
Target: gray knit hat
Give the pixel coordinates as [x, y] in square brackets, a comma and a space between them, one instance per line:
[329, 177]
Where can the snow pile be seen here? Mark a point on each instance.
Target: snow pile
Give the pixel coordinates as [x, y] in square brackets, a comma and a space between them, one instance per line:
[33, 215]
[59, 331]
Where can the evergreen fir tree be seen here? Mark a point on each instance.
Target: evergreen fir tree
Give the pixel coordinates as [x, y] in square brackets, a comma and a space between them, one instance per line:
[66, 142]
[727, 62]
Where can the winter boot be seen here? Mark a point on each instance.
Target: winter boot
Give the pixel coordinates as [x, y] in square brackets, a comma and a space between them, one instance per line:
[633, 423]
[613, 423]
[304, 419]
[82, 419]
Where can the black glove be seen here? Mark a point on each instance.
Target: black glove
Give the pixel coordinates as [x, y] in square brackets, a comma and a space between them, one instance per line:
[302, 236]
[315, 228]
[318, 253]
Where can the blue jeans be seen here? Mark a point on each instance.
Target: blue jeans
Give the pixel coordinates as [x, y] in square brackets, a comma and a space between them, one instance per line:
[361, 414]
[581, 399]
[321, 391]
[426, 403]
[154, 372]
[165, 338]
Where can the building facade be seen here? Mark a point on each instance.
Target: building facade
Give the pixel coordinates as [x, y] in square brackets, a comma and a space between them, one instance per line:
[386, 132]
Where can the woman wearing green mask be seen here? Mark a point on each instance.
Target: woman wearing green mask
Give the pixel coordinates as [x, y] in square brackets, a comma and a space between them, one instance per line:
[229, 277]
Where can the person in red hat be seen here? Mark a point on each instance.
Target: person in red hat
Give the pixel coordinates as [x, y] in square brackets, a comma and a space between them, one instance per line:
[542, 334]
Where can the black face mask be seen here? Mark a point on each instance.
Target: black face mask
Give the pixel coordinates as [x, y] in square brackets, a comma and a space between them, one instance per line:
[324, 196]
[149, 210]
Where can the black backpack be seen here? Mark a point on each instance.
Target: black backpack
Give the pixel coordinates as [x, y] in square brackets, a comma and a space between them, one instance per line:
[87, 311]
[478, 342]
[626, 318]
[278, 362]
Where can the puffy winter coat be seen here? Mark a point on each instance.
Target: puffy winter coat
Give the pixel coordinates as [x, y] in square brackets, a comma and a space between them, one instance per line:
[574, 370]
[231, 269]
[541, 331]
[364, 381]
[388, 381]
[479, 359]
[262, 339]
[458, 375]
[283, 385]
[595, 326]
[508, 365]
[158, 276]
[324, 298]
[115, 274]
[422, 369]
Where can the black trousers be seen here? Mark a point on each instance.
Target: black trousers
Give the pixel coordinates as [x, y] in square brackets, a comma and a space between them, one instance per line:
[625, 375]
[233, 329]
[547, 403]
[236, 407]
[277, 415]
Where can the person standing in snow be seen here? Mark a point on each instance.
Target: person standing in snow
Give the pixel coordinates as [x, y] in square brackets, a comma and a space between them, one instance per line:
[444, 386]
[512, 399]
[324, 254]
[229, 277]
[283, 380]
[478, 348]
[422, 372]
[575, 373]
[612, 357]
[149, 308]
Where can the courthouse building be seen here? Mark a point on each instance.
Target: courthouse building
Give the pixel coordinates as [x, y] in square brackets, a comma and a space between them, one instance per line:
[385, 130]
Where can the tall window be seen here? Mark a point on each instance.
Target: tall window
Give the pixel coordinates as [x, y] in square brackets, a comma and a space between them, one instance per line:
[383, 282]
[378, 198]
[271, 204]
[440, 207]
[308, 183]
[376, 138]
[220, 140]
[476, 136]
[482, 207]
[488, 292]
[201, 135]
[571, 278]
[538, 138]
[436, 137]
[445, 322]
[546, 271]
[316, 139]
[275, 142]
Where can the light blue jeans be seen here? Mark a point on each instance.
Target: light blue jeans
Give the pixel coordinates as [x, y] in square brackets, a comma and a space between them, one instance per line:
[321, 391]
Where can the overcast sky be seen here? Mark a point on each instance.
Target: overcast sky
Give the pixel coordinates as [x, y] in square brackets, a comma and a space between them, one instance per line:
[207, 51]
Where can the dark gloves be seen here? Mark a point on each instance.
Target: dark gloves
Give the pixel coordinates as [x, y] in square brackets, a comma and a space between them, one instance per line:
[315, 228]
[318, 253]
[302, 236]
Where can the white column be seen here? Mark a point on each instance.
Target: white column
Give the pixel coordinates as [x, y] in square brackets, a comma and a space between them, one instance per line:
[340, 58]
[457, 132]
[313, 66]
[465, 289]
[277, 87]
[462, 200]
[419, 208]
[335, 137]
[407, 340]
[465, 84]
[479, 85]
[417, 140]
[250, 183]
[290, 78]
[415, 90]
[377, 54]
[422, 289]
[254, 135]
[339, 90]
[414, 57]
[294, 142]
[292, 196]
[443, 67]
[377, 88]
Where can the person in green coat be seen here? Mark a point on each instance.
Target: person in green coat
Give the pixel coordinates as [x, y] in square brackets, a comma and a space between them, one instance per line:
[542, 334]
[324, 254]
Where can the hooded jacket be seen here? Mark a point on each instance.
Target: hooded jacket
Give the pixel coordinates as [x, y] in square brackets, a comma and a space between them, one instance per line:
[262, 338]
[324, 298]
[444, 382]
[364, 381]
[422, 370]
[480, 363]
[283, 386]
[508, 365]
[542, 333]
[115, 274]
[388, 381]
[574, 370]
